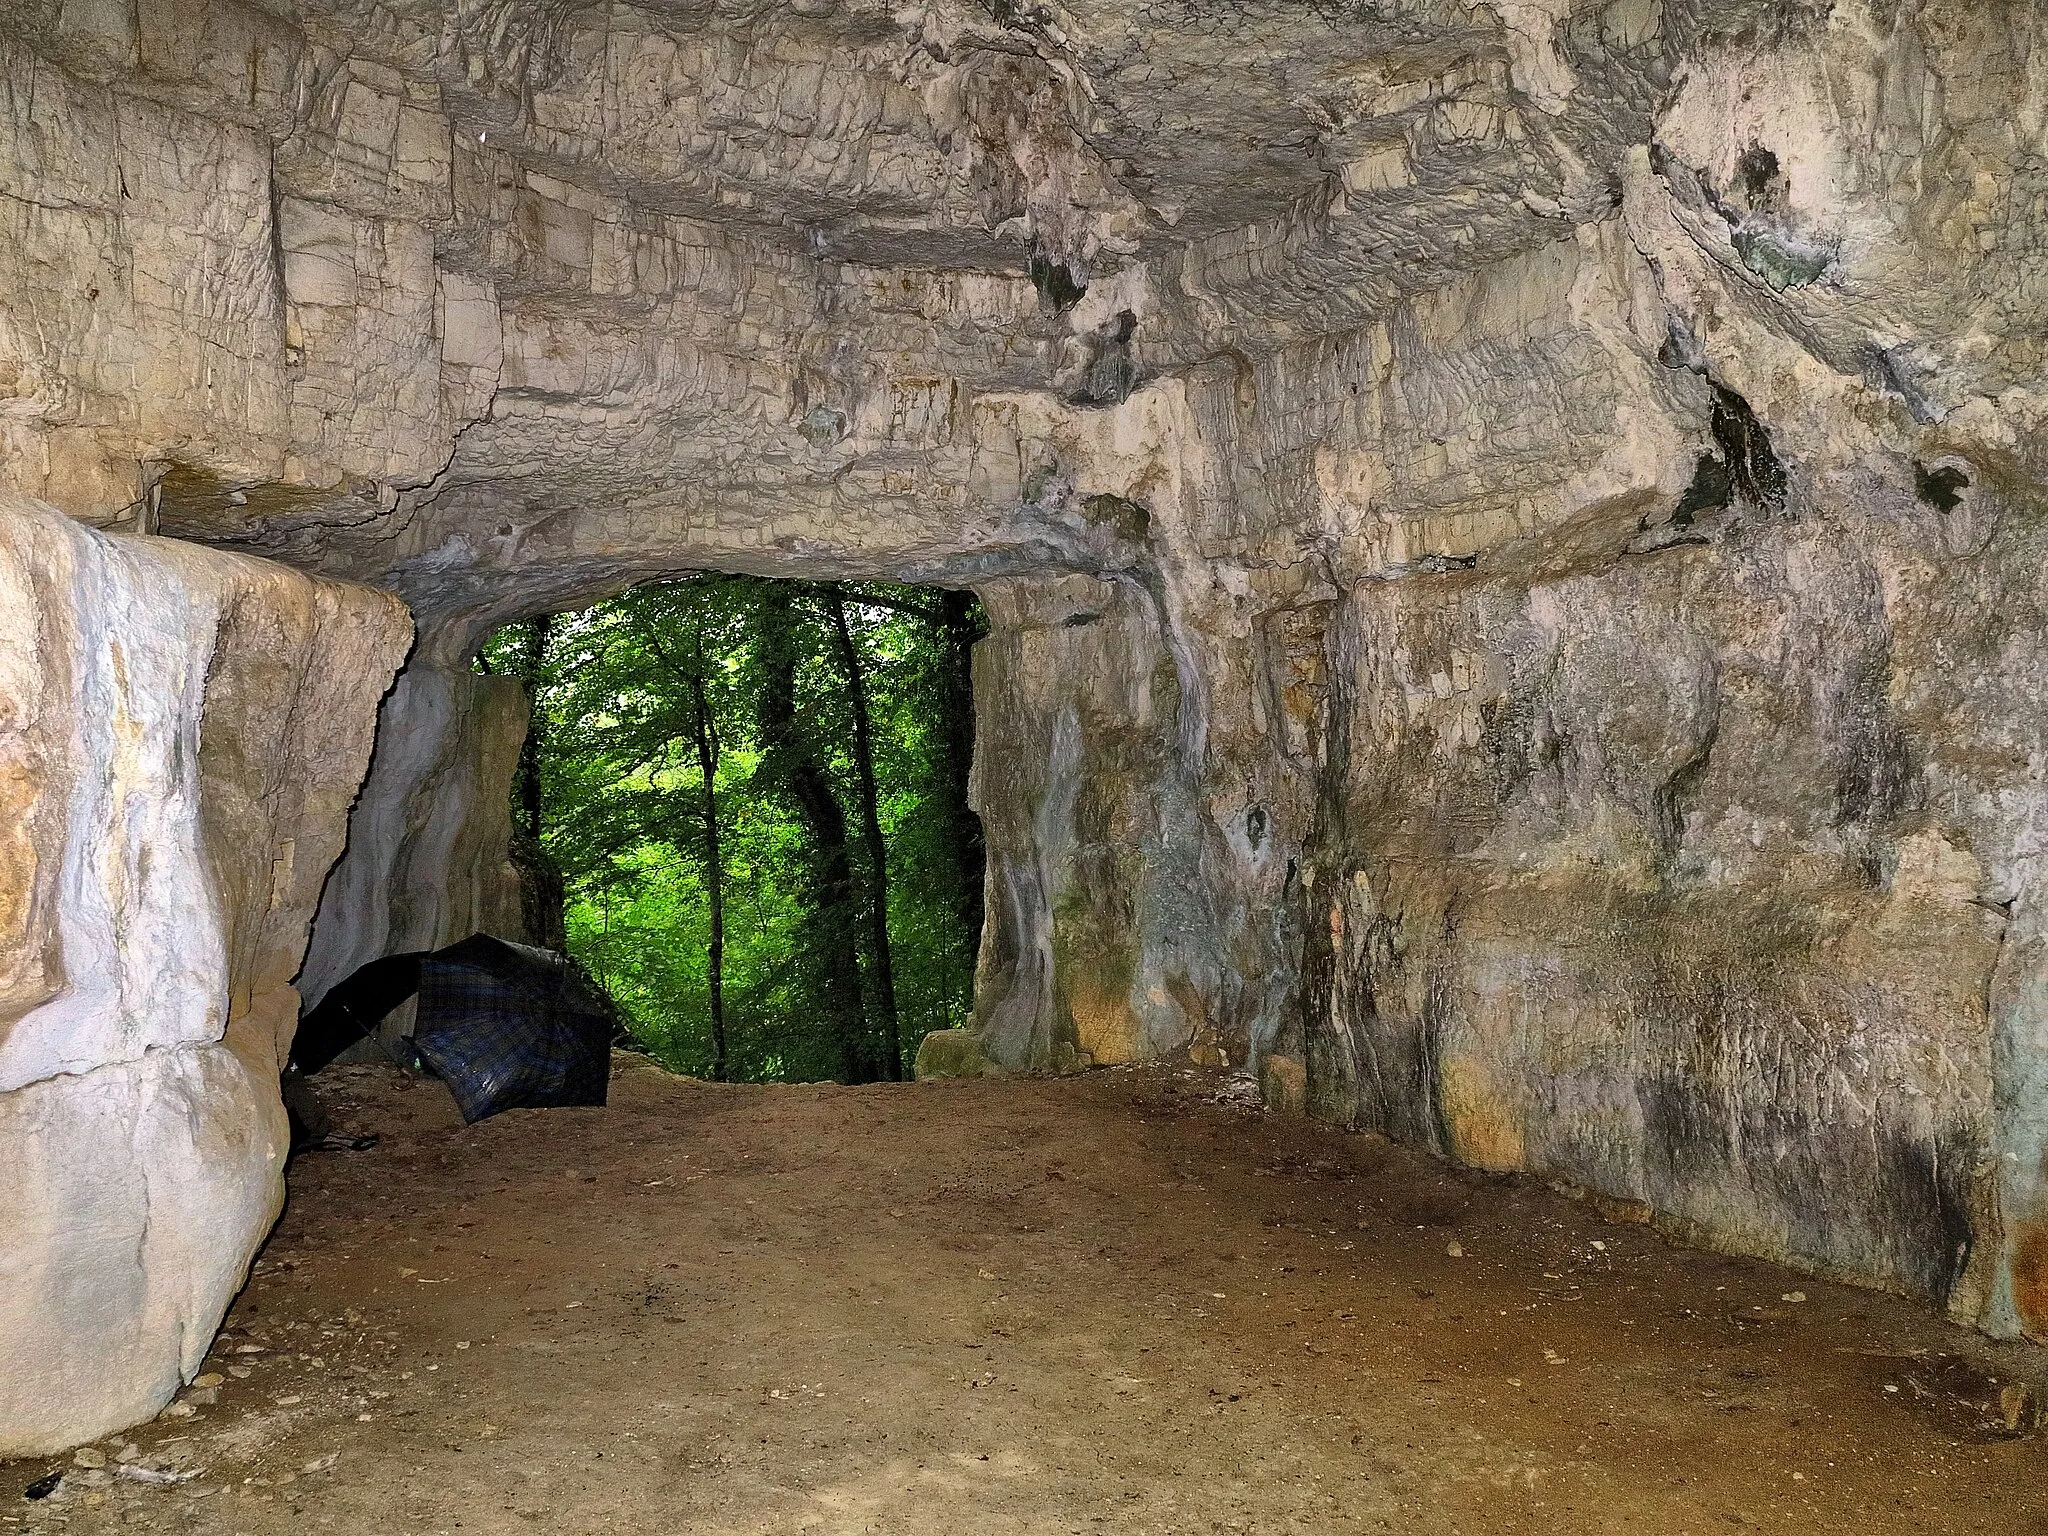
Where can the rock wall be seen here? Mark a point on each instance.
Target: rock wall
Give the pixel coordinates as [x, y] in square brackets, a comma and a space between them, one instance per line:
[429, 858]
[181, 733]
[1511, 529]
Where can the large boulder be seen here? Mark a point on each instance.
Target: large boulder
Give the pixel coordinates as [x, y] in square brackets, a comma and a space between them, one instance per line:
[181, 734]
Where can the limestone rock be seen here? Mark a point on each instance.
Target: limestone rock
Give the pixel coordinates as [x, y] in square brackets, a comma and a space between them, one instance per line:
[1283, 1084]
[1512, 531]
[952, 1053]
[181, 732]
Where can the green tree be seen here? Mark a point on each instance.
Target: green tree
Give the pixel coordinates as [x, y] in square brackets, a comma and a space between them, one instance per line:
[756, 795]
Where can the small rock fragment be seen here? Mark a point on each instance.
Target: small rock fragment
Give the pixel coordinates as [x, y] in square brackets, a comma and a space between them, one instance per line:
[89, 1456]
[2016, 1405]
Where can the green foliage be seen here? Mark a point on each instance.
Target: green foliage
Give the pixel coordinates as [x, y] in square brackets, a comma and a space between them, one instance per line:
[622, 813]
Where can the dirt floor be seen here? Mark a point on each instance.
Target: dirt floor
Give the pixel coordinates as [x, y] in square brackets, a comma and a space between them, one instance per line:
[1129, 1302]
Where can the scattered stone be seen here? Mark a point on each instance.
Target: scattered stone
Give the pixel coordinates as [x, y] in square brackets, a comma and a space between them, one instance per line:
[153, 1477]
[1455, 1249]
[88, 1456]
[2017, 1406]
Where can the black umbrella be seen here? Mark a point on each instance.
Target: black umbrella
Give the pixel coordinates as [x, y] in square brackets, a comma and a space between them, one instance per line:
[505, 1026]
[353, 1008]
[510, 1027]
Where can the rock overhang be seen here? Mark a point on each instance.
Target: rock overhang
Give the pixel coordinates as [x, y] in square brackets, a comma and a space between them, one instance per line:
[1484, 506]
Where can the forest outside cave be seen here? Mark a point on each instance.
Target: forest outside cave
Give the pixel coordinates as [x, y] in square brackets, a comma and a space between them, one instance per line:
[742, 809]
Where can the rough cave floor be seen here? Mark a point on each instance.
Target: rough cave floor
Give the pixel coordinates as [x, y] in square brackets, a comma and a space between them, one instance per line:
[1121, 1302]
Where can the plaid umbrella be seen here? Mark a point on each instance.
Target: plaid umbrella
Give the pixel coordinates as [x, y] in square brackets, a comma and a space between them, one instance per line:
[510, 1027]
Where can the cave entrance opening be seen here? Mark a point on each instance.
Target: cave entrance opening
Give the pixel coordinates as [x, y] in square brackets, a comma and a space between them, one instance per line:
[741, 807]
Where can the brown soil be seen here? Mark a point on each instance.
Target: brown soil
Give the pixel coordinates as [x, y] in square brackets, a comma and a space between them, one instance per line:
[1123, 1302]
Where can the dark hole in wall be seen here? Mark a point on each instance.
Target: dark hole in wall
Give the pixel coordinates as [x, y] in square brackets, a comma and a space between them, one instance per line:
[1757, 172]
[1746, 449]
[1130, 519]
[1711, 487]
[1942, 488]
[1058, 288]
[1745, 468]
[1111, 372]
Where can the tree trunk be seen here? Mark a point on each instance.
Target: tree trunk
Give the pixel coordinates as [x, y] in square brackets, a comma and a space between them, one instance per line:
[884, 970]
[536, 635]
[960, 626]
[714, 867]
[542, 895]
[793, 765]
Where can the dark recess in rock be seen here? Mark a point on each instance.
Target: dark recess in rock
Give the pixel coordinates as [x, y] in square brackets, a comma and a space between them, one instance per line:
[1746, 450]
[1942, 488]
[1712, 487]
[1759, 176]
[1746, 469]
[1131, 519]
[1112, 372]
[1059, 290]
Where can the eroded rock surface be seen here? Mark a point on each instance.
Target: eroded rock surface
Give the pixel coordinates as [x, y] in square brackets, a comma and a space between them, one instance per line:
[183, 732]
[1512, 529]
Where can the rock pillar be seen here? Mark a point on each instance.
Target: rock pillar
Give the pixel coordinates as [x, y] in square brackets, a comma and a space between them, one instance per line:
[181, 733]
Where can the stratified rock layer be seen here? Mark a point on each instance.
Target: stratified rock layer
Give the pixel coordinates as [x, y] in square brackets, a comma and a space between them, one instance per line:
[184, 731]
[1511, 530]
